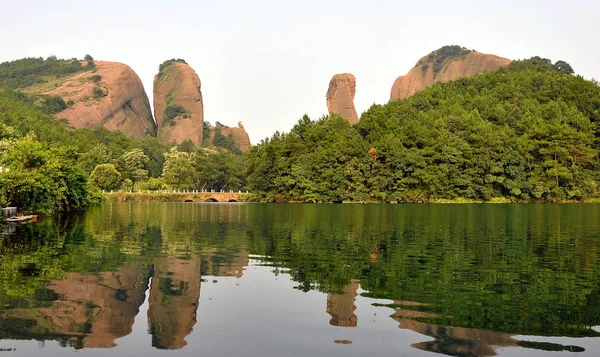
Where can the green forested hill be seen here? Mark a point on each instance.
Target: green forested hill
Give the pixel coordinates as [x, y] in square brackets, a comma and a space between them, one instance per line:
[528, 132]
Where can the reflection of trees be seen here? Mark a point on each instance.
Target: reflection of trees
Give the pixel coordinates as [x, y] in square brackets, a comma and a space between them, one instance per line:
[520, 280]
[535, 275]
[81, 281]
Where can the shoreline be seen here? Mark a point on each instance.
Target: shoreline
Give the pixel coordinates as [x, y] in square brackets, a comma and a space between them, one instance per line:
[249, 198]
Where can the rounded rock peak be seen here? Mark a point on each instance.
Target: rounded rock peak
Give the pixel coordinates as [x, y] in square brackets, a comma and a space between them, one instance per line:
[342, 80]
[340, 96]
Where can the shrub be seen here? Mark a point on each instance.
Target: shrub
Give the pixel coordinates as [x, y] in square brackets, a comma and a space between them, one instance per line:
[50, 104]
[163, 66]
[155, 184]
[98, 93]
[96, 78]
[171, 112]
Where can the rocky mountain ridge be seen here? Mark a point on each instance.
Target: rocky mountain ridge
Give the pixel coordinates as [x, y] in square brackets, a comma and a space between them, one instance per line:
[90, 94]
[442, 65]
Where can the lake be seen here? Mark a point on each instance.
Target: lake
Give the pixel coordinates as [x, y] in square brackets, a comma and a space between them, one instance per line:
[191, 279]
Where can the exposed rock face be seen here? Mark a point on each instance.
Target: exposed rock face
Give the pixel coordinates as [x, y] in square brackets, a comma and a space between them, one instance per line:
[443, 66]
[239, 135]
[116, 100]
[178, 103]
[340, 97]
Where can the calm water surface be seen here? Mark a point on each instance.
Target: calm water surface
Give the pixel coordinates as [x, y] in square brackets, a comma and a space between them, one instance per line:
[195, 279]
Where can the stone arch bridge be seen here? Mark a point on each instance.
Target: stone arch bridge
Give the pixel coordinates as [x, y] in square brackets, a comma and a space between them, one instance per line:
[165, 196]
[213, 197]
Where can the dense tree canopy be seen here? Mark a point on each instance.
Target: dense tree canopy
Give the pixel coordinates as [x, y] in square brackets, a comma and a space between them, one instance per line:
[29, 71]
[527, 132]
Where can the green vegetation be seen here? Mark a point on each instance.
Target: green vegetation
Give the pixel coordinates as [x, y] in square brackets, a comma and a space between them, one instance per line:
[172, 110]
[99, 92]
[96, 78]
[37, 178]
[163, 67]
[523, 133]
[476, 267]
[29, 71]
[442, 56]
[206, 133]
[564, 67]
[67, 157]
[106, 177]
[225, 142]
[49, 104]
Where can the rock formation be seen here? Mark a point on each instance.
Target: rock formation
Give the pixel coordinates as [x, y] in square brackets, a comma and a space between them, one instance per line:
[239, 135]
[178, 104]
[113, 96]
[445, 64]
[340, 97]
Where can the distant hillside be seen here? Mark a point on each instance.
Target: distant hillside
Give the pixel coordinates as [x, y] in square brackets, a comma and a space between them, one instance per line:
[526, 133]
[443, 65]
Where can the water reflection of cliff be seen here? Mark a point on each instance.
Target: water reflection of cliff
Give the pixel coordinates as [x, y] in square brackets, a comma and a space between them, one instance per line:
[460, 341]
[87, 310]
[515, 255]
[341, 306]
[174, 297]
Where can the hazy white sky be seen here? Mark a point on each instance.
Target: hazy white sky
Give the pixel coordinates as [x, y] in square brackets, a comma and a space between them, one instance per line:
[266, 63]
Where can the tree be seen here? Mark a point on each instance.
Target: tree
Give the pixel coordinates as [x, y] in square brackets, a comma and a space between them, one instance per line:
[88, 57]
[97, 155]
[155, 184]
[127, 185]
[178, 170]
[106, 177]
[43, 180]
[132, 165]
[563, 67]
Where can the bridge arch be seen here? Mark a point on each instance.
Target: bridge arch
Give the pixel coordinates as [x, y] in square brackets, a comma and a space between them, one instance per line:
[211, 199]
[232, 200]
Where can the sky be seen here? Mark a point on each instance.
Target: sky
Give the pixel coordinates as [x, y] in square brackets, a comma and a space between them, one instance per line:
[266, 63]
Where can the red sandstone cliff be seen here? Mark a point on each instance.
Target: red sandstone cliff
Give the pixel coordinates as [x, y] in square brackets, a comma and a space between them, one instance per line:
[113, 96]
[340, 97]
[239, 135]
[178, 106]
[444, 65]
